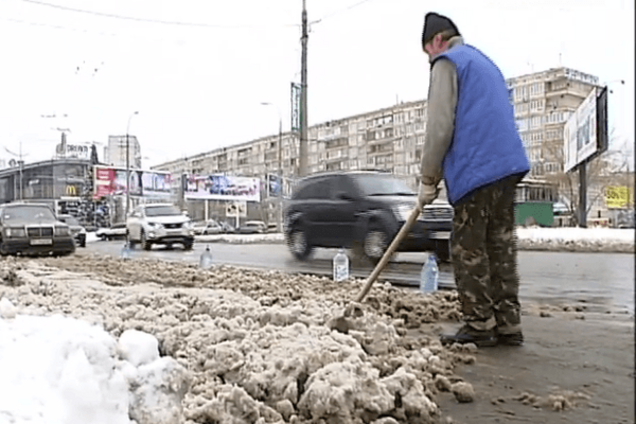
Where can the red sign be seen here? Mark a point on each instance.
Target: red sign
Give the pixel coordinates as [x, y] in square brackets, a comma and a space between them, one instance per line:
[103, 182]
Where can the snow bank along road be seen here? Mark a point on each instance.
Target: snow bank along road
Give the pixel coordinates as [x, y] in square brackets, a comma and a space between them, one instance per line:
[554, 239]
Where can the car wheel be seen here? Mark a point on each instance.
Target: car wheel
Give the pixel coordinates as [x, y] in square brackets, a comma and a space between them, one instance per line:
[3, 251]
[82, 243]
[104, 237]
[375, 243]
[299, 245]
[188, 245]
[145, 244]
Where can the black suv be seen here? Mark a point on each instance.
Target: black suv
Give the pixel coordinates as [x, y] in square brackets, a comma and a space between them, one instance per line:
[363, 211]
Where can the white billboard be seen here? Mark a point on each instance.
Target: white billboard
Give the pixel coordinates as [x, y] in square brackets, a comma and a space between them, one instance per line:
[579, 133]
[222, 187]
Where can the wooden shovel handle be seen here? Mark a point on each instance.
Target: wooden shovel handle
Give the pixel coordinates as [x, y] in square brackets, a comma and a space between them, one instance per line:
[389, 252]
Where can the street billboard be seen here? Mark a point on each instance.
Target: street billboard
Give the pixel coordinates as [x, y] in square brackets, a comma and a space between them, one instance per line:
[111, 181]
[585, 132]
[222, 187]
[618, 197]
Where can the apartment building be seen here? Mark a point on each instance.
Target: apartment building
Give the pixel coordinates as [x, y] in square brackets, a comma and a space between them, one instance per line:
[543, 102]
[115, 151]
[389, 139]
[392, 138]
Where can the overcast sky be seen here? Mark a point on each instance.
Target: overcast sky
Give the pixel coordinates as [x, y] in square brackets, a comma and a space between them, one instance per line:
[199, 87]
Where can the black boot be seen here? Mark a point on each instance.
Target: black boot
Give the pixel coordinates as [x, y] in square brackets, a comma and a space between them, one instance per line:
[512, 339]
[468, 334]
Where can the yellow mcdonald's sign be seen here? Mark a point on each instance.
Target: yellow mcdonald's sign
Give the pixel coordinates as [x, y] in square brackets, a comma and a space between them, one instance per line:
[71, 190]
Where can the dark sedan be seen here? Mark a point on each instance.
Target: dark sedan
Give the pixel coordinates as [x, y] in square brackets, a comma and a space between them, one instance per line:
[33, 229]
[77, 230]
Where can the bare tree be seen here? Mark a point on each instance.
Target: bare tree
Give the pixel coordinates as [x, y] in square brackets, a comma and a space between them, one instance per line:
[600, 174]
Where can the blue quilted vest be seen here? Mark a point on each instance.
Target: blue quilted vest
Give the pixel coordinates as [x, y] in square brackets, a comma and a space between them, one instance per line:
[486, 146]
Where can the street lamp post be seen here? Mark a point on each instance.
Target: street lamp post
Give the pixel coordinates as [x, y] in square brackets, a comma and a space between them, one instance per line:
[128, 165]
[280, 166]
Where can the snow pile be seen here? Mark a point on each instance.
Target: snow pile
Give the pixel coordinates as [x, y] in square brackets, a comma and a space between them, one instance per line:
[534, 238]
[576, 239]
[267, 356]
[242, 238]
[62, 370]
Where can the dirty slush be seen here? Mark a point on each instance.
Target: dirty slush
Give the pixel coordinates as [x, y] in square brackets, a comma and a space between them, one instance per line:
[262, 347]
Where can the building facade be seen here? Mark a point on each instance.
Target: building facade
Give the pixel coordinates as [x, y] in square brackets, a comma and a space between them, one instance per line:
[543, 102]
[115, 151]
[391, 139]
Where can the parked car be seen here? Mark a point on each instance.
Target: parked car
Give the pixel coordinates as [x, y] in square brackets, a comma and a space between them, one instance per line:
[77, 230]
[364, 211]
[272, 228]
[115, 231]
[33, 229]
[207, 227]
[252, 227]
[227, 228]
[159, 224]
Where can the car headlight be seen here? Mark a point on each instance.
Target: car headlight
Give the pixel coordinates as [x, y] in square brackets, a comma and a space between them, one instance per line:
[62, 231]
[402, 212]
[155, 225]
[15, 232]
[188, 225]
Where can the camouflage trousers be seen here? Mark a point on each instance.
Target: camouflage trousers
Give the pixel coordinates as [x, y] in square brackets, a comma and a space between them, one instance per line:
[484, 257]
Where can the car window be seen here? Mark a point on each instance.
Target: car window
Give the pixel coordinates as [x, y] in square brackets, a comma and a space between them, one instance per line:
[70, 220]
[319, 188]
[381, 185]
[162, 211]
[27, 213]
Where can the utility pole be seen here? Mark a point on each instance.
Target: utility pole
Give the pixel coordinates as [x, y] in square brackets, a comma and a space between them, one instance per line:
[302, 162]
[279, 215]
[128, 167]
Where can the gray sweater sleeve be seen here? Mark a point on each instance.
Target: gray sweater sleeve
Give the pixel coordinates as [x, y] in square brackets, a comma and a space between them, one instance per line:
[440, 125]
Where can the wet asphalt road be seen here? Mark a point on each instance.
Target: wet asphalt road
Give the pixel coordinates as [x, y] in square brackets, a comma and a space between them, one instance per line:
[600, 281]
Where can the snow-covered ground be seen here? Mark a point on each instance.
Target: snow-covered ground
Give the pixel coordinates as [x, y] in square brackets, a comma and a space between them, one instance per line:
[534, 238]
[579, 239]
[60, 370]
[242, 238]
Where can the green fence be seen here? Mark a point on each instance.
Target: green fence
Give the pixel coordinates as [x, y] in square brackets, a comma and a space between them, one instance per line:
[537, 212]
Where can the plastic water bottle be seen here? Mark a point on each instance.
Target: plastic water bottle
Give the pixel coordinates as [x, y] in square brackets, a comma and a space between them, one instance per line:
[340, 266]
[206, 258]
[429, 277]
[125, 251]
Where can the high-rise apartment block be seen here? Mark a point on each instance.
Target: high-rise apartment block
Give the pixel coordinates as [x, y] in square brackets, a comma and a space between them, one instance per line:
[115, 151]
[391, 139]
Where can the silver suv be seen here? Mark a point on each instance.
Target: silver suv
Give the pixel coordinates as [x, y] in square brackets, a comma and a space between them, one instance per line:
[159, 224]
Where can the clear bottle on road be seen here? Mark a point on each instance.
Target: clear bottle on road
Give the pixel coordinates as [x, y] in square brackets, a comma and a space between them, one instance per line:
[340, 266]
[429, 277]
[125, 251]
[205, 261]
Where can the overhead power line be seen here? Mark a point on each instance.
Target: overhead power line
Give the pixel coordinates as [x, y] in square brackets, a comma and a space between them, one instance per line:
[154, 21]
[339, 11]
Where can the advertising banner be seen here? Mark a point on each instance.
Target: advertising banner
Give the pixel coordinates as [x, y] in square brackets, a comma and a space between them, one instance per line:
[273, 185]
[618, 197]
[156, 184]
[111, 181]
[579, 133]
[222, 187]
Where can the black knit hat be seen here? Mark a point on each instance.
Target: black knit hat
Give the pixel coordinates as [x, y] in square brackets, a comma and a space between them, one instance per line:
[434, 24]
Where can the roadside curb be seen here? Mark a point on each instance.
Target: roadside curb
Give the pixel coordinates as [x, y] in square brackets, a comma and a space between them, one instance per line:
[523, 245]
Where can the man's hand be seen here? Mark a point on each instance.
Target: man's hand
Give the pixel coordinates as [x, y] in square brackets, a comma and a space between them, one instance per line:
[427, 194]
